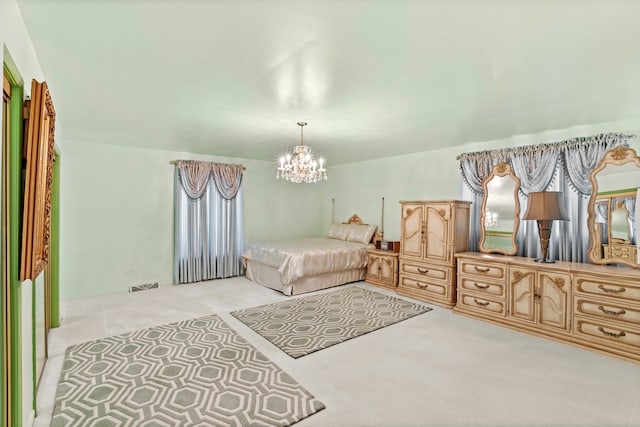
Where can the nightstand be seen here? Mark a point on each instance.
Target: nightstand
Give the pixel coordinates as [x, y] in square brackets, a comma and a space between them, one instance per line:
[382, 268]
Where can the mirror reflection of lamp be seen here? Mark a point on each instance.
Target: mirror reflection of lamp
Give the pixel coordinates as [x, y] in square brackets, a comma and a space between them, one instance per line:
[544, 207]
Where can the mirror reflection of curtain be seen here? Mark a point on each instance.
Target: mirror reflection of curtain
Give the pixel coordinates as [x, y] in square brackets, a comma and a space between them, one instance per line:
[630, 204]
[562, 166]
[602, 211]
[209, 227]
[637, 227]
[602, 218]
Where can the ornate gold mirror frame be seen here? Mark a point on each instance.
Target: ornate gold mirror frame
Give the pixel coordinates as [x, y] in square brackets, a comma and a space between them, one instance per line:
[39, 153]
[497, 240]
[611, 252]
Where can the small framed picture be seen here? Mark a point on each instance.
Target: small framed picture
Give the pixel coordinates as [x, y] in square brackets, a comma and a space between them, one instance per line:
[384, 245]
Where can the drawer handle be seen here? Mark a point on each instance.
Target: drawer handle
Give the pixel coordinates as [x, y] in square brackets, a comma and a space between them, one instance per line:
[421, 286]
[614, 313]
[482, 270]
[612, 291]
[480, 286]
[611, 334]
[483, 304]
[422, 271]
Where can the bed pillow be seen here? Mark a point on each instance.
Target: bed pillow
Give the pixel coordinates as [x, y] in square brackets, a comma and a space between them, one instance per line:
[338, 231]
[361, 233]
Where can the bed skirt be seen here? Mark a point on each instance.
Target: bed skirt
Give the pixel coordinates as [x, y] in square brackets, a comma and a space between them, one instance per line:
[269, 276]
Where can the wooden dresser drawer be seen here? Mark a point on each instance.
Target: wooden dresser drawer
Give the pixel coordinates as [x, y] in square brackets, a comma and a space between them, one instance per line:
[480, 269]
[612, 333]
[476, 303]
[625, 252]
[608, 287]
[606, 310]
[482, 287]
[423, 286]
[429, 272]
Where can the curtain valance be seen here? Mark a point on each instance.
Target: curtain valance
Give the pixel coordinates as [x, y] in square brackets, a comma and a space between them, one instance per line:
[535, 168]
[536, 165]
[194, 178]
[227, 179]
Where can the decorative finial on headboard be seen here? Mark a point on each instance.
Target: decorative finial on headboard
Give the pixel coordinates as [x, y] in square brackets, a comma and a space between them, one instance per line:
[333, 210]
[382, 221]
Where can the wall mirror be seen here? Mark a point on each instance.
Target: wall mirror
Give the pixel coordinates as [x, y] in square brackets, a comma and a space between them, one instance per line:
[500, 214]
[612, 209]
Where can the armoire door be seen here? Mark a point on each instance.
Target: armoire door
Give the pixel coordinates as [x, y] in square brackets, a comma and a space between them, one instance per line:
[437, 230]
[412, 230]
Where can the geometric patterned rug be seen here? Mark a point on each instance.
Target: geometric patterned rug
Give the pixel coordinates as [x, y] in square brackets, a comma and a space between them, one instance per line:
[196, 372]
[304, 325]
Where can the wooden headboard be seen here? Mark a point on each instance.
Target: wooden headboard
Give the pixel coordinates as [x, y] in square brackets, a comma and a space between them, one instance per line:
[355, 219]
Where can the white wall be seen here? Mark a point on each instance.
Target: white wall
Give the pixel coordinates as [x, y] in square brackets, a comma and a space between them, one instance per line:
[19, 54]
[117, 214]
[433, 175]
[16, 41]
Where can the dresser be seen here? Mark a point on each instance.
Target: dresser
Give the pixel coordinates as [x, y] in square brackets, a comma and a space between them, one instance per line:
[592, 306]
[432, 232]
[382, 268]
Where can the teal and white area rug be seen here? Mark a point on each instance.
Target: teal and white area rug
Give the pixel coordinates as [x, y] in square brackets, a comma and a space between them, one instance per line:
[192, 373]
[304, 325]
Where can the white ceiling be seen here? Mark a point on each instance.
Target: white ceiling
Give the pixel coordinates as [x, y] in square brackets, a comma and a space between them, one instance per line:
[372, 78]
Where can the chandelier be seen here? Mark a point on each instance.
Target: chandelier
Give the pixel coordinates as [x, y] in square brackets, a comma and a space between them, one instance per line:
[301, 167]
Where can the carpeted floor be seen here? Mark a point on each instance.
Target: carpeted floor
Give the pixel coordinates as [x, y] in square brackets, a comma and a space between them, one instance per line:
[304, 325]
[192, 373]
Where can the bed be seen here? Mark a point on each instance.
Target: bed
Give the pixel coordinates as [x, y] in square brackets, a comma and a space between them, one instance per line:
[305, 265]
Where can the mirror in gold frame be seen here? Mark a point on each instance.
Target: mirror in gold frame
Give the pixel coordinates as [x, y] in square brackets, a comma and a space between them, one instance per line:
[500, 214]
[612, 217]
[39, 154]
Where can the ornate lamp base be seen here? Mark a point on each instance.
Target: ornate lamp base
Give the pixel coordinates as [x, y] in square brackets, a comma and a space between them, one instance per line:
[544, 232]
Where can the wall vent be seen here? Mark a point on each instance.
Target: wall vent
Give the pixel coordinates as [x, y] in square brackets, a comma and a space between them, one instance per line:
[143, 287]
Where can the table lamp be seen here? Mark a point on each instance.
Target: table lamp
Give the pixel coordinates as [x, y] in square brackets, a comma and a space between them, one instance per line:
[544, 207]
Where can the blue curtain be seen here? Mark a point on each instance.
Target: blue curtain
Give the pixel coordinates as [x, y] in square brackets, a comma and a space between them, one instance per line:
[209, 228]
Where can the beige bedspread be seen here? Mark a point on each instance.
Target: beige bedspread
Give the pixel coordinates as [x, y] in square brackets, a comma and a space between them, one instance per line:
[299, 258]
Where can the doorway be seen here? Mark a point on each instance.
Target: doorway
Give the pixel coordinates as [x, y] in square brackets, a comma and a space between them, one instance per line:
[4, 293]
[46, 314]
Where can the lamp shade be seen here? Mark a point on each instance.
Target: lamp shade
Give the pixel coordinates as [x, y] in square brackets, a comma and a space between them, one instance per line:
[545, 205]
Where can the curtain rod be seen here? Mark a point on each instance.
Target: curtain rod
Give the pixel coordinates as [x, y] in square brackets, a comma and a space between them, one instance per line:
[561, 144]
[175, 162]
